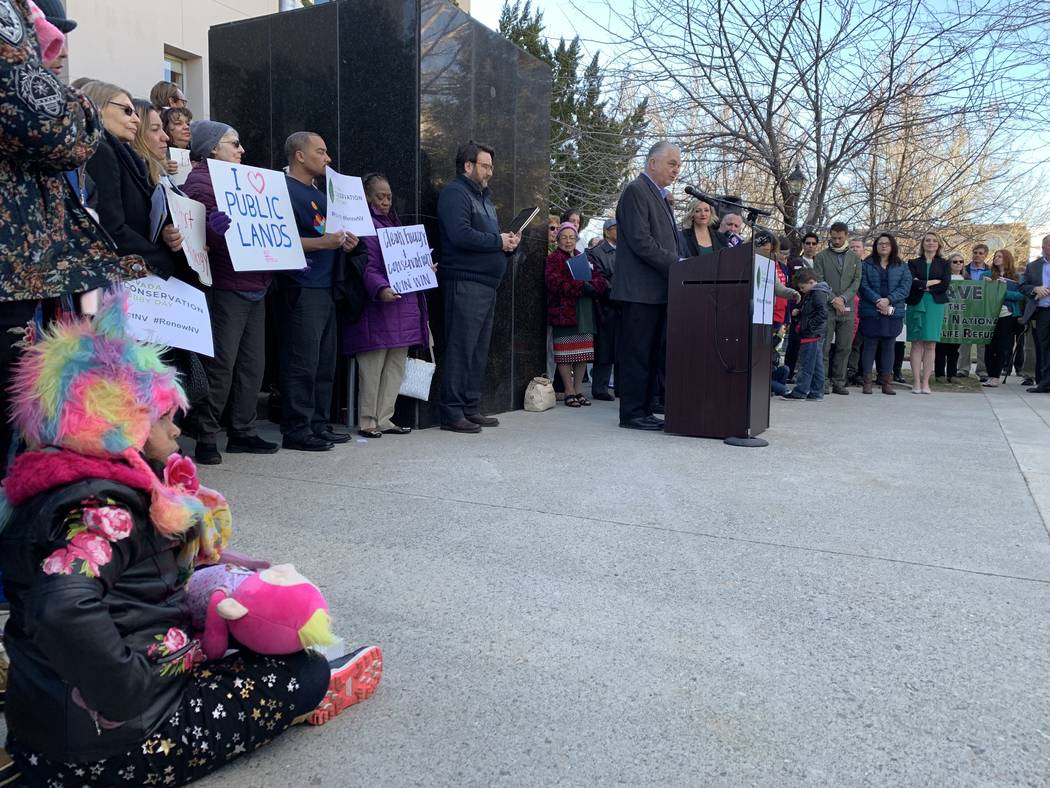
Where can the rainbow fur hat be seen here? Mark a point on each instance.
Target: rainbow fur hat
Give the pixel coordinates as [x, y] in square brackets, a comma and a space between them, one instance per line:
[89, 387]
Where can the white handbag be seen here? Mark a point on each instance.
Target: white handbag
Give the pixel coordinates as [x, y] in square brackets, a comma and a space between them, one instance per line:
[419, 374]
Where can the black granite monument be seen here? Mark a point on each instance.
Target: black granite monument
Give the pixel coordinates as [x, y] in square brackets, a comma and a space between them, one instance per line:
[396, 86]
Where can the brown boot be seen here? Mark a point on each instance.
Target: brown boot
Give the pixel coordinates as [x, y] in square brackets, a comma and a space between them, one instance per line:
[887, 385]
[866, 386]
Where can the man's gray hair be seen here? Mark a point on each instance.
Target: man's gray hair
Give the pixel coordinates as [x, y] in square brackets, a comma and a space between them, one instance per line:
[659, 148]
[297, 142]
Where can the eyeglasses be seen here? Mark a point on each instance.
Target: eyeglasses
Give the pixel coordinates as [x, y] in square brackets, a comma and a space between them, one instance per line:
[128, 109]
[553, 227]
[234, 143]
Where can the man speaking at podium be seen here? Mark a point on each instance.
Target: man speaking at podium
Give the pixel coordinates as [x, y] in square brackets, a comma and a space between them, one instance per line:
[648, 246]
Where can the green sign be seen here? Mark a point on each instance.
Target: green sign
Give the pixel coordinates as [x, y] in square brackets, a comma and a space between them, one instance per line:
[971, 311]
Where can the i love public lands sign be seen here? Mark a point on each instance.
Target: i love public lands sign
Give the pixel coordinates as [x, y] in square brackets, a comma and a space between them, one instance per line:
[262, 234]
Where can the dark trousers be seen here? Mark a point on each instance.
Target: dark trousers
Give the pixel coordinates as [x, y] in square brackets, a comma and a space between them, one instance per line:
[235, 373]
[999, 355]
[883, 347]
[639, 346]
[470, 308]
[1042, 347]
[791, 354]
[1020, 339]
[946, 360]
[308, 351]
[604, 350]
[898, 358]
[230, 707]
[14, 316]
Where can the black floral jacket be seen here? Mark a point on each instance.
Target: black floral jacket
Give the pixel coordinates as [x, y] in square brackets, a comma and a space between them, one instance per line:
[49, 244]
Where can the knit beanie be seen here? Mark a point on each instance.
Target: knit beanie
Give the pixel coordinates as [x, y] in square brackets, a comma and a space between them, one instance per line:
[205, 136]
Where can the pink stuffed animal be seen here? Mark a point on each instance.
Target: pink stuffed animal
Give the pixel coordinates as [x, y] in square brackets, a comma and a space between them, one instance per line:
[275, 611]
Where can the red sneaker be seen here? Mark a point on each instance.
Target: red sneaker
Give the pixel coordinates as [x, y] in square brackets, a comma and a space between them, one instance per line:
[354, 678]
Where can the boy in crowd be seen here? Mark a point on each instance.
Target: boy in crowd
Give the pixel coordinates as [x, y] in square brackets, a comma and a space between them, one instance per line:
[811, 321]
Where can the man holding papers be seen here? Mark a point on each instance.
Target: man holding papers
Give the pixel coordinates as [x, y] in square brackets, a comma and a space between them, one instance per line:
[308, 319]
[473, 262]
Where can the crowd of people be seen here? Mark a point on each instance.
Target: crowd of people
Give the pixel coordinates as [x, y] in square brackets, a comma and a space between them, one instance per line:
[844, 322]
[107, 681]
[116, 561]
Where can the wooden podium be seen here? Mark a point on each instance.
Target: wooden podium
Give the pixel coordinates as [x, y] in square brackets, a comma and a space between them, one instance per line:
[718, 361]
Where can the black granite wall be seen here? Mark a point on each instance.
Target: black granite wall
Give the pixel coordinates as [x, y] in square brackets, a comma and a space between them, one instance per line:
[396, 86]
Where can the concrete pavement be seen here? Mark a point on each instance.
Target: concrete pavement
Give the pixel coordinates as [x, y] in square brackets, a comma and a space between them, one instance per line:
[560, 601]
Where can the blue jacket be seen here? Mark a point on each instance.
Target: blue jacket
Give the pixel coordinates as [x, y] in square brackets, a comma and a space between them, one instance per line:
[471, 247]
[900, 286]
[1014, 298]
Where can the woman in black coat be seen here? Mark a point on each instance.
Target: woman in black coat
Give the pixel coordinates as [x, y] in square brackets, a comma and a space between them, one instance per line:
[699, 234]
[931, 274]
[124, 198]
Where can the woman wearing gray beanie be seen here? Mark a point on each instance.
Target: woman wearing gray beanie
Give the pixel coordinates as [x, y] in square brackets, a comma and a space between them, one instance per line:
[237, 302]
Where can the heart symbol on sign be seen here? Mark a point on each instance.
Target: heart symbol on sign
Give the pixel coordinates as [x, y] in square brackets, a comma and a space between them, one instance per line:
[257, 176]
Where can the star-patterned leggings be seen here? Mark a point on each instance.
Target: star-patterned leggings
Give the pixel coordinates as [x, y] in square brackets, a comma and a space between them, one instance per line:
[231, 706]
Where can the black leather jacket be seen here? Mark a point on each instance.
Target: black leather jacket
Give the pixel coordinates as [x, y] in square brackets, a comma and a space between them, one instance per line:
[80, 646]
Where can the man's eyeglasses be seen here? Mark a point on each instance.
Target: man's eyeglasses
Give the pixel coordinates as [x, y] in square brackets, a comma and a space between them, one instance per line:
[128, 109]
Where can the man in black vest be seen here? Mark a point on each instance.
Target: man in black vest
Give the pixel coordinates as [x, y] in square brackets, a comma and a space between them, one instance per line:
[649, 244]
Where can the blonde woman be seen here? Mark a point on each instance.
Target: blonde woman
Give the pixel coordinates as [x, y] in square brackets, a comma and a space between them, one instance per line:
[699, 232]
[123, 190]
[931, 275]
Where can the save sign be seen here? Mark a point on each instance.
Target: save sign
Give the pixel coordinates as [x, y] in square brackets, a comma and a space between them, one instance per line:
[262, 234]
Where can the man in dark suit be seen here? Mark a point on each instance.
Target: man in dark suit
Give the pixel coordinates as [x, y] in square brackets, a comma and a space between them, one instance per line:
[649, 244]
[603, 258]
[1035, 284]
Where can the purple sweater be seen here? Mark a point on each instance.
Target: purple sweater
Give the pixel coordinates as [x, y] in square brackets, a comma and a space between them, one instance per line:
[198, 187]
[401, 323]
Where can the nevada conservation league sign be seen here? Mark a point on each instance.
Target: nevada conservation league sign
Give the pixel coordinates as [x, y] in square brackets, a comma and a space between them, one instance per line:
[347, 207]
[972, 311]
[762, 295]
[169, 312]
[406, 254]
[262, 234]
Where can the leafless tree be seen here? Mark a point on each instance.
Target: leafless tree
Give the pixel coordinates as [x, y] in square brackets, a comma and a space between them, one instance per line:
[901, 113]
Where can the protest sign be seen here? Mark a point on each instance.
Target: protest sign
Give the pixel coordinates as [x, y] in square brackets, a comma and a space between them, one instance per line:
[406, 254]
[347, 207]
[972, 311]
[180, 156]
[169, 312]
[262, 234]
[188, 216]
[762, 295]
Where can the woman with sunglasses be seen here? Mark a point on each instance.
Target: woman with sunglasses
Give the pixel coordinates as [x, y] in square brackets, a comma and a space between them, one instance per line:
[946, 354]
[124, 197]
[237, 302]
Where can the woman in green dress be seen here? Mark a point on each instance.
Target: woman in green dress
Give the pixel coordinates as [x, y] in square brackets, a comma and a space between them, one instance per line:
[931, 275]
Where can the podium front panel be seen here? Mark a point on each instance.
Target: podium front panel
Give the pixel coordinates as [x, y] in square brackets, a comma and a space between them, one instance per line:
[710, 340]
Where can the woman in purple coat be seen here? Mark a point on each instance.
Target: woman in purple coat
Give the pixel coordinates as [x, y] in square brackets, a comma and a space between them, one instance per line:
[388, 327]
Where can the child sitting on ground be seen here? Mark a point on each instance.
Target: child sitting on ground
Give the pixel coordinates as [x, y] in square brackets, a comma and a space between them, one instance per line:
[102, 524]
[811, 319]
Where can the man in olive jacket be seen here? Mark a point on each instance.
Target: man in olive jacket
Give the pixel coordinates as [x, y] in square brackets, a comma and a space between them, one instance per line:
[841, 269]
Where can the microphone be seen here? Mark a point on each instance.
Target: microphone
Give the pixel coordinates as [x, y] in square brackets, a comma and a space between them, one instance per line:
[716, 202]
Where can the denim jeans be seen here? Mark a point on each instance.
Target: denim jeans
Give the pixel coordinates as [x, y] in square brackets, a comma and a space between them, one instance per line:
[809, 377]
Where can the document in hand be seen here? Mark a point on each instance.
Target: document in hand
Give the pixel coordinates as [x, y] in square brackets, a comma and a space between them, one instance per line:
[521, 221]
[580, 267]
